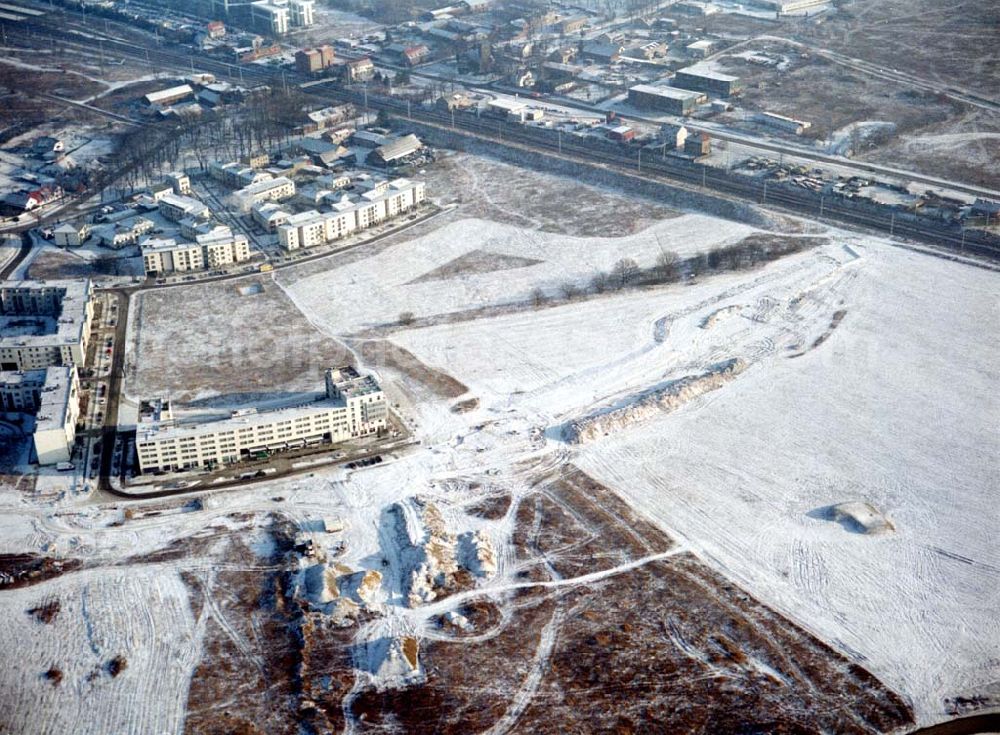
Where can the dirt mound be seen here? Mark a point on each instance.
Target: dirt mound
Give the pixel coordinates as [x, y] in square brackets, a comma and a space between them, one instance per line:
[667, 398]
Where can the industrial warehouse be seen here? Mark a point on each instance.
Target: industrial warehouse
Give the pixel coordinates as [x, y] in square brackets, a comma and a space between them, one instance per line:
[353, 406]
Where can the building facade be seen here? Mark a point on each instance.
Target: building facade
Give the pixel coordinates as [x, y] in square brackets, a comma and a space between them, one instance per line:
[53, 396]
[44, 323]
[165, 255]
[354, 406]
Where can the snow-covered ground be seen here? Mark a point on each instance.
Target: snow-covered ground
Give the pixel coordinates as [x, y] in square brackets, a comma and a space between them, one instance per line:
[868, 376]
[401, 278]
[139, 613]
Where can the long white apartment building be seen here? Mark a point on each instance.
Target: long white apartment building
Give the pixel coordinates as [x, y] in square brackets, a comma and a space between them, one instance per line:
[44, 323]
[211, 250]
[53, 396]
[354, 406]
[269, 190]
[383, 200]
[176, 207]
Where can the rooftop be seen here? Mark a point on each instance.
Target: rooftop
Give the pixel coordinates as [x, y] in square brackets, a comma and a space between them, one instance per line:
[671, 92]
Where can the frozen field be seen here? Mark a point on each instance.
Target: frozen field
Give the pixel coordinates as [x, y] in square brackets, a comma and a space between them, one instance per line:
[141, 614]
[474, 263]
[890, 410]
[866, 382]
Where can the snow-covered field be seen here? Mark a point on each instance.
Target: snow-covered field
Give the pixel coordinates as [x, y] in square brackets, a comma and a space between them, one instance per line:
[139, 613]
[401, 278]
[869, 380]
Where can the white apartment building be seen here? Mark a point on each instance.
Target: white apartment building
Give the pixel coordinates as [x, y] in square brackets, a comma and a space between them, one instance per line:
[302, 13]
[212, 250]
[271, 16]
[180, 183]
[270, 190]
[269, 216]
[53, 395]
[44, 323]
[176, 207]
[384, 199]
[354, 406]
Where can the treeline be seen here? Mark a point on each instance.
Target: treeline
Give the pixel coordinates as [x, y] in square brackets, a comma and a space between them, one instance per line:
[750, 252]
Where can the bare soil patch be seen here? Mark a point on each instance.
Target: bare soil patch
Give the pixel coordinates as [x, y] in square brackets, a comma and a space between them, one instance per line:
[475, 262]
[205, 340]
[503, 192]
[381, 353]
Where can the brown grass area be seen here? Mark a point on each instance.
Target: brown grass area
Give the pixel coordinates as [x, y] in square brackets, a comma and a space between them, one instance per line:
[46, 612]
[24, 570]
[381, 353]
[514, 195]
[208, 339]
[815, 90]
[238, 691]
[667, 647]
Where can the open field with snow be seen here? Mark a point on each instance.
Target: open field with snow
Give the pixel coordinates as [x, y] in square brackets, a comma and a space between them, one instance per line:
[764, 489]
[867, 371]
[203, 341]
[474, 263]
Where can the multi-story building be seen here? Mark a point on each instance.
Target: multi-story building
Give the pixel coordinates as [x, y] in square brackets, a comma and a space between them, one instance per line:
[176, 207]
[665, 99]
[180, 183]
[269, 215]
[354, 406]
[68, 235]
[270, 17]
[302, 13]
[44, 323]
[52, 394]
[270, 190]
[381, 200]
[211, 250]
[312, 60]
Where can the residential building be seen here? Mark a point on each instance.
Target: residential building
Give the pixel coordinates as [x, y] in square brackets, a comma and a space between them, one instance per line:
[665, 99]
[359, 70]
[698, 145]
[313, 60]
[52, 394]
[270, 17]
[701, 79]
[212, 250]
[673, 135]
[180, 183]
[381, 200]
[44, 323]
[257, 160]
[302, 14]
[215, 29]
[270, 190]
[121, 234]
[269, 216]
[354, 406]
[175, 207]
[69, 235]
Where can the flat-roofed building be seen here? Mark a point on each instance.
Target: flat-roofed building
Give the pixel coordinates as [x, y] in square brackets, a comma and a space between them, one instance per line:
[269, 190]
[53, 396]
[354, 406]
[703, 79]
[665, 99]
[44, 323]
[175, 207]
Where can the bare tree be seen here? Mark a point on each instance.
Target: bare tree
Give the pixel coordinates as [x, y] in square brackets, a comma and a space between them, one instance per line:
[625, 272]
[406, 318]
[666, 265]
[599, 283]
